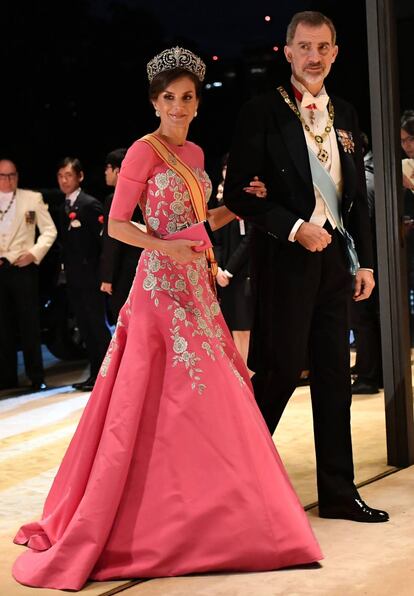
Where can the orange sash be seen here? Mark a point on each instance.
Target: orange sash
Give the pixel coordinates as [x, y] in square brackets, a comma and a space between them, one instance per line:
[194, 188]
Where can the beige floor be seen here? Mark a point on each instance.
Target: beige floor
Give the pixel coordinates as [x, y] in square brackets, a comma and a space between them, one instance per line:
[34, 433]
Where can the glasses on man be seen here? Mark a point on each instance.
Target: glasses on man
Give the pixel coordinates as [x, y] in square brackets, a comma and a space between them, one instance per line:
[9, 176]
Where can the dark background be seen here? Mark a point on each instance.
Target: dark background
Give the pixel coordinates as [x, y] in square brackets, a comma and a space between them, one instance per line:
[74, 79]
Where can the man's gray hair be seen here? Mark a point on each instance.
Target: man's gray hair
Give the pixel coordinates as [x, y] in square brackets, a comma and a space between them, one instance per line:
[311, 18]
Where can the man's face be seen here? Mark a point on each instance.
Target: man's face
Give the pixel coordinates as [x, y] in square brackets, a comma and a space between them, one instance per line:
[111, 175]
[8, 176]
[68, 179]
[311, 54]
[407, 143]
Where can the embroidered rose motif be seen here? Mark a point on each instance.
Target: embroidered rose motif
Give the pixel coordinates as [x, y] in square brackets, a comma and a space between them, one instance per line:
[161, 180]
[198, 292]
[192, 276]
[171, 227]
[180, 285]
[153, 223]
[165, 285]
[180, 314]
[149, 282]
[154, 265]
[201, 323]
[180, 345]
[214, 309]
[177, 208]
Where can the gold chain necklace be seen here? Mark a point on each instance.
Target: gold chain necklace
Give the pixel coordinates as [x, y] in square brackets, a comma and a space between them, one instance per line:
[319, 139]
[3, 213]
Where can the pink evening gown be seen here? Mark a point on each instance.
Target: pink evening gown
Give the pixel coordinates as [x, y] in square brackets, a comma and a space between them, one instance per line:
[172, 469]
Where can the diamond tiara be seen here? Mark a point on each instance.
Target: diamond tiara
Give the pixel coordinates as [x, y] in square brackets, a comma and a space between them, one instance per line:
[176, 58]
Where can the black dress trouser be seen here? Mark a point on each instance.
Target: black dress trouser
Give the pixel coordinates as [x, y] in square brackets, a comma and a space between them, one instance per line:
[19, 324]
[311, 316]
[88, 304]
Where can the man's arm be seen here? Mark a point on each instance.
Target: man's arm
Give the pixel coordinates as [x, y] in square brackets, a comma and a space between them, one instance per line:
[46, 227]
[248, 158]
[359, 224]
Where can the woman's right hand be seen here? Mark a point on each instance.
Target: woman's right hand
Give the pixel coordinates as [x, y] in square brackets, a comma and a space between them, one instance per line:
[222, 278]
[182, 251]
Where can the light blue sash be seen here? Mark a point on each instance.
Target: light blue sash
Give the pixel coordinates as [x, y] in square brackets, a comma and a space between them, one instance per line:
[324, 184]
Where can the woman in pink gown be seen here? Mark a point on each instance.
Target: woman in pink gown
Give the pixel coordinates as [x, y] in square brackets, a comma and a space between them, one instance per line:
[171, 470]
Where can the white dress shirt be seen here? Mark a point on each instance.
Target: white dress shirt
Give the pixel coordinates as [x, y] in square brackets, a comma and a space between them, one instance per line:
[73, 196]
[333, 164]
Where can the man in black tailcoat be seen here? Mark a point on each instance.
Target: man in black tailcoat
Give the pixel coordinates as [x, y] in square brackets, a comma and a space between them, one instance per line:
[118, 260]
[81, 228]
[301, 268]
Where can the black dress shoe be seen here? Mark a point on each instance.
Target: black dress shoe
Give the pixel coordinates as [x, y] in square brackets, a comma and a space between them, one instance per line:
[362, 388]
[39, 386]
[354, 510]
[88, 385]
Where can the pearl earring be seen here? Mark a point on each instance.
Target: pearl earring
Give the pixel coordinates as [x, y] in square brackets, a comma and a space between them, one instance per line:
[157, 113]
[195, 113]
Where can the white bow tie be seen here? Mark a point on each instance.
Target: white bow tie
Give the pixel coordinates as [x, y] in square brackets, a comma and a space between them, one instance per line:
[318, 103]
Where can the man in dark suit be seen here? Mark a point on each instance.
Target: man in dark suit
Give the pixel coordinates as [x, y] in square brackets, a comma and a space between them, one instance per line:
[301, 269]
[81, 228]
[118, 259]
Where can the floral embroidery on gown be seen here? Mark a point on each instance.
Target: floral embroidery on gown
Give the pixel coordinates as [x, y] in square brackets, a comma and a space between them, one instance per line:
[172, 469]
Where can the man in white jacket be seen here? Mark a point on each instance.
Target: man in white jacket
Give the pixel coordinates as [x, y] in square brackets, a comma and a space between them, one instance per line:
[21, 213]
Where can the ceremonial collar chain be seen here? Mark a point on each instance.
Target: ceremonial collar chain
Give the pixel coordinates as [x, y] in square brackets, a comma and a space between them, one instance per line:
[317, 138]
[5, 211]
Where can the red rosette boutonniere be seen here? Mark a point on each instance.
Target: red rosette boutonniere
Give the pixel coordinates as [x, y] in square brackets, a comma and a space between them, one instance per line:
[101, 220]
[74, 222]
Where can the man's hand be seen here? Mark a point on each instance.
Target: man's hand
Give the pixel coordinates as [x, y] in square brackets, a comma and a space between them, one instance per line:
[313, 237]
[364, 284]
[26, 259]
[106, 287]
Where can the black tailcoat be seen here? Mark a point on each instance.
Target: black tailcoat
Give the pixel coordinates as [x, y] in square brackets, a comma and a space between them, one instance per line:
[118, 261]
[302, 298]
[81, 245]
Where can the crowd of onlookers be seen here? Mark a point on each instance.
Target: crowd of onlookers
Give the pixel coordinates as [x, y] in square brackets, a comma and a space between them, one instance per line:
[98, 270]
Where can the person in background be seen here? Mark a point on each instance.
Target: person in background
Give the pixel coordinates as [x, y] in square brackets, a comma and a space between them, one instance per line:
[118, 260]
[407, 145]
[22, 213]
[81, 229]
[365, 319]
[233, 278]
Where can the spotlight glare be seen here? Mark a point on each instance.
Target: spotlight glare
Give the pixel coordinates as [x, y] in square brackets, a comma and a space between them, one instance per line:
[268, 18]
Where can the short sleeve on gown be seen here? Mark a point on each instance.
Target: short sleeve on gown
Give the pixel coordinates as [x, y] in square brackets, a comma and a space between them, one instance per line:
[136, 168]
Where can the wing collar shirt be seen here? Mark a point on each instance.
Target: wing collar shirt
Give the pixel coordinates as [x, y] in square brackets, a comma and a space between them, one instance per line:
[333, 164]
[73, 196]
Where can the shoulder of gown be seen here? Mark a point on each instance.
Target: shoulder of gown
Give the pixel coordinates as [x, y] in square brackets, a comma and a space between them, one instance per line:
[136, 169]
